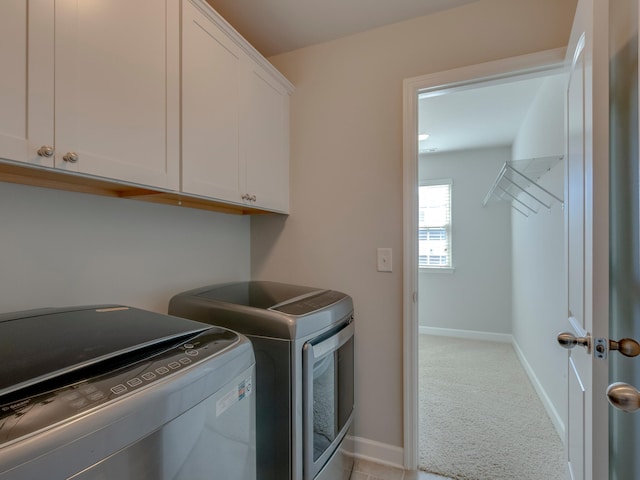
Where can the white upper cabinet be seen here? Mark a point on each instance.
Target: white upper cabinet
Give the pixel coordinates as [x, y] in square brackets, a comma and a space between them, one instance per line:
[114, 84]
[235, 116]
[265, 141]
[13, 81]
[155, 93]
[117, 89]
[211, 66]
[26, 83]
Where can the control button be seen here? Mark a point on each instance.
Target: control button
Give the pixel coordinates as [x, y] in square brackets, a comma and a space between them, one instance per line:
[174, 365]
[71, 396]
[118, 389]
[162, 370]
[185, 361]
[87, 389]
[148, 376]
[191, 353]
[189, 345]
[80, 403]
[134, 382]
[96, 396]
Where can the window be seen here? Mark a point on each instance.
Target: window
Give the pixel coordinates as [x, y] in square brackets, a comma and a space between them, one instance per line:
[434, 225]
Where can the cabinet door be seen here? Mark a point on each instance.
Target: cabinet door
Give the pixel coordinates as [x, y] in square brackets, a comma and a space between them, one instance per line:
[265, 141]
[210, 113]
[25, 126]
[117, 89]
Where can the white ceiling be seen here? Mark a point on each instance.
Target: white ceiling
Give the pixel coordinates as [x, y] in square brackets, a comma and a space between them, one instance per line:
[475, 118]
[278, 26]
[479, 117]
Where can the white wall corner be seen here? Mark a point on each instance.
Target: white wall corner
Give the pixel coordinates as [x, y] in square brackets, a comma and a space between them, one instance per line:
[375, 452]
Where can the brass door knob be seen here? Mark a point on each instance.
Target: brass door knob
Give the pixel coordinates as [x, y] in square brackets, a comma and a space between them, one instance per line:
[568, 341]
[627, 347]
[623, 397]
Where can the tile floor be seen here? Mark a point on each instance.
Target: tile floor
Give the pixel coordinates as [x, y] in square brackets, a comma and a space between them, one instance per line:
[365, 470]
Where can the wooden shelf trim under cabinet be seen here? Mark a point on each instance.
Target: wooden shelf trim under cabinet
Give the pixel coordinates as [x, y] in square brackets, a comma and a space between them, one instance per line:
[45, 177]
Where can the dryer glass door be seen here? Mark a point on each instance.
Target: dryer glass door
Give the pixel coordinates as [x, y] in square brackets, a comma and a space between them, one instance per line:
[328, 396]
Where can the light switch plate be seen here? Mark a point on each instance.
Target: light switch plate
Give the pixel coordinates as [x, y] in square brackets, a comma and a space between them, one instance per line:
[385, 260]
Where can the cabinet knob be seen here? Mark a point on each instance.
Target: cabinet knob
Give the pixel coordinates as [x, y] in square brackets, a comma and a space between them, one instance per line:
[70, 157]
[249, 198]
[45, 151]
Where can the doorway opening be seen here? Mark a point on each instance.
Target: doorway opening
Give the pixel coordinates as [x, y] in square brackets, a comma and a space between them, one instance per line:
[494, 243]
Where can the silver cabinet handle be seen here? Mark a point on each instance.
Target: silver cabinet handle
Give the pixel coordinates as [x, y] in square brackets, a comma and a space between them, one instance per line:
[568, 341]
[626, 346]
[70, 157]
[623, 397]
[45, 151]
[248, 197]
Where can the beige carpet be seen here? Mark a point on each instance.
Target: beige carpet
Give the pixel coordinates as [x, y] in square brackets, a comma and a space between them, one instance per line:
[480, 418]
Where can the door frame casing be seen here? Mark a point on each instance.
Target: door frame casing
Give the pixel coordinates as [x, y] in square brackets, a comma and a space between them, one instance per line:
[499, 71]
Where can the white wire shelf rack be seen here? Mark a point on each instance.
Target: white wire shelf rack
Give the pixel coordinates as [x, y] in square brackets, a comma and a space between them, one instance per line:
[519, 185]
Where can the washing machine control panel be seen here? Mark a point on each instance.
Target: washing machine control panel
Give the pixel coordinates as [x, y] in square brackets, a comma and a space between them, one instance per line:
[47, 404]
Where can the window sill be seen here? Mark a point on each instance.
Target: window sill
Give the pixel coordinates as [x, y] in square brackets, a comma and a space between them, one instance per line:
[436, 269]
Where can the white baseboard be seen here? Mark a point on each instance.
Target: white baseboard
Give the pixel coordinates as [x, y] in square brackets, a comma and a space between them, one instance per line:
[470, 334]
[373, 451]
[544, 398]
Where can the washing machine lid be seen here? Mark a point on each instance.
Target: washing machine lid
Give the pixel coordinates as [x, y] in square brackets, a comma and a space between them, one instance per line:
[264, 308]
[259, 294]
[41, 344]
[279, 297]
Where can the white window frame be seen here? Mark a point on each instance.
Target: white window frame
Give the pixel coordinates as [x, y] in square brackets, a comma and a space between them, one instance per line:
[447, 267]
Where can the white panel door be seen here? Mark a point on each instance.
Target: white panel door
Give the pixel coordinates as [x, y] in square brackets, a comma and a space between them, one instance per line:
[587, 239]
[579, 368]
[265, 141]
[26, 82]
[117, 89]
[210, 108]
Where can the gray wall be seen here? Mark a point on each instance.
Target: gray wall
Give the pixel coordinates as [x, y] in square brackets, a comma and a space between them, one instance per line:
[476, 296]
[539, 298]
[539, 282]
[62, 248]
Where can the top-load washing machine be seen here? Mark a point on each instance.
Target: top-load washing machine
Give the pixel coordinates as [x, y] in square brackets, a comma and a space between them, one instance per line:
[303, 339]
[120, 393]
